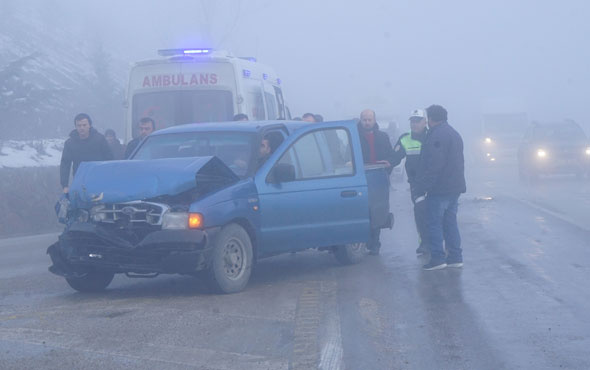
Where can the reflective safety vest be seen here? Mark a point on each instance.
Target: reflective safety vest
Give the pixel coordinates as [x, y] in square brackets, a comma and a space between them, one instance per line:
[411, 146]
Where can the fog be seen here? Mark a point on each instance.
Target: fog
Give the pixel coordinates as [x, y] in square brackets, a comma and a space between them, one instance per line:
[337, 59]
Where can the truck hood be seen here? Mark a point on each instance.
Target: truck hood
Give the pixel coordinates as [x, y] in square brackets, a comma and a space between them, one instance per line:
[128, 180]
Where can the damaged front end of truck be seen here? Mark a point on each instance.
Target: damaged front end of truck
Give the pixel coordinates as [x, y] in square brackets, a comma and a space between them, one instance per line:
[134, 217]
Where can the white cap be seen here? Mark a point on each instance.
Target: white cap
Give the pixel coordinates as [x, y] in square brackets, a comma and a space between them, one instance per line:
[418, 113]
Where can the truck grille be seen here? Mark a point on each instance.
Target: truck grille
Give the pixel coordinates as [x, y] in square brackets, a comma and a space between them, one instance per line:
[136, 212]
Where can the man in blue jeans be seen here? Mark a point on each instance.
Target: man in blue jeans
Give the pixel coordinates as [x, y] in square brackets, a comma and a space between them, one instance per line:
[440, 181]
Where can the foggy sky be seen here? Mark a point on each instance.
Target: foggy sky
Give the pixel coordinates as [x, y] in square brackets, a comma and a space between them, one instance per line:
[392, 56]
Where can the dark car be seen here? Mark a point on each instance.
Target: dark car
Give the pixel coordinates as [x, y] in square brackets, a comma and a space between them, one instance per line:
[553, 148]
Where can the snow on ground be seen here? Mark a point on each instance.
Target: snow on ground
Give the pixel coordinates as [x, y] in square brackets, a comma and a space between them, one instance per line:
[30, 153]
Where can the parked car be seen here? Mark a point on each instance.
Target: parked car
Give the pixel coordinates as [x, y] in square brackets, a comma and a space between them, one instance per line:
[553, 148]
[206, 199]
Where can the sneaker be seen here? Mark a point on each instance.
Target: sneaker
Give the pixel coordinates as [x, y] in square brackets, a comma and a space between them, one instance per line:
[434, 266]
[455, 264]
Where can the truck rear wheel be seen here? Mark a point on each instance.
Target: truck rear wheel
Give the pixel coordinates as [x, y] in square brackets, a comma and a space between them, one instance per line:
[350, 254]
[231, 263]
[93, 281]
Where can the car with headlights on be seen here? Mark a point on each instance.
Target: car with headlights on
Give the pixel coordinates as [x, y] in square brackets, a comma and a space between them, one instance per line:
[553, 148]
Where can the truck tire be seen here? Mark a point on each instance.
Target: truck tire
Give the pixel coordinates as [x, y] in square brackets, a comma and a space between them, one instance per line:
[350, 254]
[93, 281]
[231, 262]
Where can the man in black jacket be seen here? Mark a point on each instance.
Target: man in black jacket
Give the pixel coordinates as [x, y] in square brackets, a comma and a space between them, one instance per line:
[84, 144]
[377, 149]
[145, 127]
[409, 146]
[440, 180]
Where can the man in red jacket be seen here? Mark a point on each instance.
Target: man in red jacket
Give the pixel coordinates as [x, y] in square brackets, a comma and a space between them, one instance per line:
[377, 149]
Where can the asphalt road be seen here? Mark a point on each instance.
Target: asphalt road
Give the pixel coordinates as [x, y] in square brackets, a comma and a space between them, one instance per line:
[520, 302]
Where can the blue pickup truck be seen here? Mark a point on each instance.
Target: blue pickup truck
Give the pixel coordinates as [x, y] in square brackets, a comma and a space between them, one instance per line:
[212, 199]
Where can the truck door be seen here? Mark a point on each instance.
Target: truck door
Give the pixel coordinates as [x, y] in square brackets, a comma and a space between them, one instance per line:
[324, 200]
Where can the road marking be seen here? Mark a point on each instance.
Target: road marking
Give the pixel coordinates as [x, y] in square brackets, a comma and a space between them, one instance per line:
[550, 212]
[331, 358]
[307, 321]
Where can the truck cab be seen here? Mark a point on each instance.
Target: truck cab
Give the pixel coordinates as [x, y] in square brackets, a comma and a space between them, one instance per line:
[202, 85]
[213, 199]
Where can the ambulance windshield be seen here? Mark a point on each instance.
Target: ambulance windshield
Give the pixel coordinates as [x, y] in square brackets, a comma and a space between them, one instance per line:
[170, 108]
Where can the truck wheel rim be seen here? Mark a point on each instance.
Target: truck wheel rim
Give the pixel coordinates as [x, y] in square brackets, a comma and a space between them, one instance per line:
[234, 254]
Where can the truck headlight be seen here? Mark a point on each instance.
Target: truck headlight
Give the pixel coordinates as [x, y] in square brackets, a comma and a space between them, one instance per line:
[541, 153]
[175, 220]
[488, 140]
[588, 151]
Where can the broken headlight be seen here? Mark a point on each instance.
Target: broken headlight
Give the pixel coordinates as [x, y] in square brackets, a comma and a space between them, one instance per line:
[82, 215]
[97, 213]
[175, 220]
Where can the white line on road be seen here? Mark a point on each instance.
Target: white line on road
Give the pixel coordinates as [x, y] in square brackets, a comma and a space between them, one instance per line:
[550, 212]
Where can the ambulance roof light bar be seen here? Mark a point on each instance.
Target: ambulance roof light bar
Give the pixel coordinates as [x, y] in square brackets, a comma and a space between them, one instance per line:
[189, 51]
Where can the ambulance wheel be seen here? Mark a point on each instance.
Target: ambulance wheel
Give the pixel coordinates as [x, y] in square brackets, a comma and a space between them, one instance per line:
[350, 254]
[231, 262]
[93, 281]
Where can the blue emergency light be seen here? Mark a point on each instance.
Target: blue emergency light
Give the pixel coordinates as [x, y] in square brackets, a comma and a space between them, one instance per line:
[278, 81]
[265, 76]
[246, 73]
[191, 51]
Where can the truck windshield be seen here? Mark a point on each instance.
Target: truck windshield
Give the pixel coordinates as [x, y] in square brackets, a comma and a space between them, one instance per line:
[169, 108]
[233, 148]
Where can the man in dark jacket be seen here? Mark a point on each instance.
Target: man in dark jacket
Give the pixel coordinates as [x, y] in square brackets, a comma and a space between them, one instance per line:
[145, 126]
[440, 181]
[85, 144]
[409, 146]
[377, 149]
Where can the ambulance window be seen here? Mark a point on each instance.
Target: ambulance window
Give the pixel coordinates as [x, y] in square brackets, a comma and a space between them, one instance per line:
[169, 108]
[257, 105]
[280, 103]
[271, 105]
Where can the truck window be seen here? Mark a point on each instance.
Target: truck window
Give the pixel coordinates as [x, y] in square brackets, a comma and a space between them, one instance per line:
[323, 153]
[169, 108]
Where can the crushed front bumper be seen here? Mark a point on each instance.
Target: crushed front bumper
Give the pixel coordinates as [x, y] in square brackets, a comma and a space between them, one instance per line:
[86, 246]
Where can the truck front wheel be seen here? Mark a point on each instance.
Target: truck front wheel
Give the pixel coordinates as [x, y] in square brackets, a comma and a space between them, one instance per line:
[350, 254]
[93, 281]
[231, 263]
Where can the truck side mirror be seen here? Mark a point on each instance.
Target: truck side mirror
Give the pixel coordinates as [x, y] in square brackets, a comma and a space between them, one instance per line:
[281, 172]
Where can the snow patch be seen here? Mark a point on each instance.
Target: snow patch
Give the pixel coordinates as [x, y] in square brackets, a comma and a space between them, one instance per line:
[31, 153]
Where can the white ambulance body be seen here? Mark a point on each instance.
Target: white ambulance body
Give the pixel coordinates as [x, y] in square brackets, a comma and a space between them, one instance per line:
[201, 85]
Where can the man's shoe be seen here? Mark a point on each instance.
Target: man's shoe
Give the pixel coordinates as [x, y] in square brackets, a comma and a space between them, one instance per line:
[455, 264]
[434, 266]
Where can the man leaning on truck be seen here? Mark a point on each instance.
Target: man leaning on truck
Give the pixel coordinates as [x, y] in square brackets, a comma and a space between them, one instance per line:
[376, 148]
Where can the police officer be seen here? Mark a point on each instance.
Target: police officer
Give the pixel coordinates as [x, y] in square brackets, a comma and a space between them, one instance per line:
[409, 146]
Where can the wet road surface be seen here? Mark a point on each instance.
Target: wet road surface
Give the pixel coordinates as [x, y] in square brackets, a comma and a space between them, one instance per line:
[520, 302]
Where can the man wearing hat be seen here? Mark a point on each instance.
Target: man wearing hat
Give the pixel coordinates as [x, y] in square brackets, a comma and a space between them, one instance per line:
[409, 146]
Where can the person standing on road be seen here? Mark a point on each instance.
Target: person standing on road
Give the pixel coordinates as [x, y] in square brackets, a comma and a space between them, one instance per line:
[439, 182]
[116, 147]
[146, 126]
[84, 144]
[376, 149]
[409, 146]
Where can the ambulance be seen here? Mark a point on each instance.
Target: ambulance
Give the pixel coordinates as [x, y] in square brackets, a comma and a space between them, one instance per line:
[201, 85]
